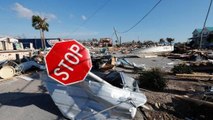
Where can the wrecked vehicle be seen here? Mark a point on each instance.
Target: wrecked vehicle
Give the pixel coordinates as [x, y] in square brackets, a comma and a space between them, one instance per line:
[117, 97]
[121, 80]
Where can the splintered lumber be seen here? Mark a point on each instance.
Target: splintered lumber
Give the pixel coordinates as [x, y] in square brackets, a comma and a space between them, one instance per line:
[193, 107]
[196, 102]
[195, 75]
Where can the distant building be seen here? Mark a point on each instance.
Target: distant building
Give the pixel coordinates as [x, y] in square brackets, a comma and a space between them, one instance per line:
[9, 43]
[37, 42]
[105, 42]
[196, 37]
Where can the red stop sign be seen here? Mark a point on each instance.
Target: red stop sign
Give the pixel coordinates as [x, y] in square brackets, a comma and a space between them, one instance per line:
[68, 62]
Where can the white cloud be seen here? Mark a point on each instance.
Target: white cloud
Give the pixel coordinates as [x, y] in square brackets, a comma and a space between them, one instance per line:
[50, 16]
[22, 11]
[28, 13]
[83, 17]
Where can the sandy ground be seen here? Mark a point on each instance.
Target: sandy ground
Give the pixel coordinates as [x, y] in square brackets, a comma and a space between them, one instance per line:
[160, 103]
[23, 100]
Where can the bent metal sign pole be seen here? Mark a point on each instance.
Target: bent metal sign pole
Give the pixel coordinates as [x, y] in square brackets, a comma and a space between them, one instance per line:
[69, 62]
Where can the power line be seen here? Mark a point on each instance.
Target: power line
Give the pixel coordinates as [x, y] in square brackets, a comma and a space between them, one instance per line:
[204, 24]
[100, 8]
[143, 17]
[93, 14]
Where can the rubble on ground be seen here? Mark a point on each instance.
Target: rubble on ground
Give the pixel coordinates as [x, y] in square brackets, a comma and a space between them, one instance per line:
[170, 103]
[11, 68]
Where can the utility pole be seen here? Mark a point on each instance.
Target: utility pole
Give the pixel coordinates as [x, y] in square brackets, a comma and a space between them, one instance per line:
[116, 34]
[204, 25]
[120, 40]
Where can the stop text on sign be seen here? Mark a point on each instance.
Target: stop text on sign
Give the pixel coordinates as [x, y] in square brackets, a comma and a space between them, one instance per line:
[71, 57]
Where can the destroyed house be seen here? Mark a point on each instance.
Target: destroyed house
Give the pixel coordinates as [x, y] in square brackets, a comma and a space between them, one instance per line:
[105, 42]
[207, 35]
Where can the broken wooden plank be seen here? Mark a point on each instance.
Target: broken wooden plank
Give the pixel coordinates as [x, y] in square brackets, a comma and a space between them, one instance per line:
[195, 101]
[195, 75]
[192, 107]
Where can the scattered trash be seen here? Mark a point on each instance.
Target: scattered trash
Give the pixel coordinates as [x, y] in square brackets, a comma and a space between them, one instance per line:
[106, 62]
[25, 78]
[7, 72]
[124, 63]
[157, 105]
[209, 89]
[171, 63]
[25, 66]
[10, 68]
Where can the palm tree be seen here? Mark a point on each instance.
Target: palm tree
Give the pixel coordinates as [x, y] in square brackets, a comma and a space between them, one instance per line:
[170, 40]
[40, 24]
[161, 41]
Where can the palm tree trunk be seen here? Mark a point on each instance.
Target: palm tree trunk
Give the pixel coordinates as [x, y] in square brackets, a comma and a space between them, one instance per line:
[42, 40]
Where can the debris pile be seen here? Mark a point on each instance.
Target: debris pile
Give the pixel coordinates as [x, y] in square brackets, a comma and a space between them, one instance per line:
[168, 96]
[10, 68]
[106, 62]
[193, 66]
[201, 66]
[195, 106]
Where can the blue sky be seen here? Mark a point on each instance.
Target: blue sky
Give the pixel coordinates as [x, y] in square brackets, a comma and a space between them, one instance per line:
[85, 19]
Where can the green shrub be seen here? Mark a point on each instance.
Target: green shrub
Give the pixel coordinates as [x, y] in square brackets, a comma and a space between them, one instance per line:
[153, 80]
[181, 68]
